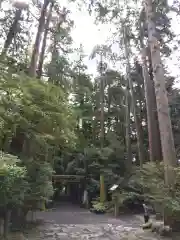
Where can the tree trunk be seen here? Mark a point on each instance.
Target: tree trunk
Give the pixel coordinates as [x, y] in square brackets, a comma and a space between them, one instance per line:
[156, 136]
[102, 189]
[1, 227]
[141, 151]
[102, 108]
[17, 223]
[55, 40]
[151, 107]
[12, 32]
[109, 109]
[35, 54]
[136, 119]
[41, 58]
[128, 130]
[6, 222]
[1, 1]
[102, 183]
[167, 141]
[94, 123]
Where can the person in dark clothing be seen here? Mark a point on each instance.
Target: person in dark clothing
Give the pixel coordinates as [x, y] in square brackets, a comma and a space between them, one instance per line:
[146, 213]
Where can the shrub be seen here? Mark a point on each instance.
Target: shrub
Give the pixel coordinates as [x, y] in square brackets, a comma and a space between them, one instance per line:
[147, 184]
[13, 187]
[13, 181]
[99, 207]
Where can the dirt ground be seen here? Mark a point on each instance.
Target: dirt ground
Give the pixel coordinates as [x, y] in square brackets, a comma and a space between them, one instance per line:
[68, 222]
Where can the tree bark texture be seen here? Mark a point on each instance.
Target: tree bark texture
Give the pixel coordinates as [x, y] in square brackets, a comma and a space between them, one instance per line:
[12, 32]
[35, 53]
[167, 141]
[136, 119]
[43, 49]
[151, 107]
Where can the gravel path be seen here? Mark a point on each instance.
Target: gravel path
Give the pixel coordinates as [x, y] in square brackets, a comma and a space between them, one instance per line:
[68, 223]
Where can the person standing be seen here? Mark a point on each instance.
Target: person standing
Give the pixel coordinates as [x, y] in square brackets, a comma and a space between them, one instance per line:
[146, 213]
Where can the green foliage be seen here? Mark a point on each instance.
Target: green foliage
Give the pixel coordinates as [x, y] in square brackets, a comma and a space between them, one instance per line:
[13, 181]
[124, 198]
[36, 123]
[99, 206]
[39, 179]
[25, 186]
[147, 184]
[38, 110]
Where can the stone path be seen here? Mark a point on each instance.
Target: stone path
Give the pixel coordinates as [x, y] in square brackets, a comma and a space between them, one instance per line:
[90, 232]
[74, 223]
